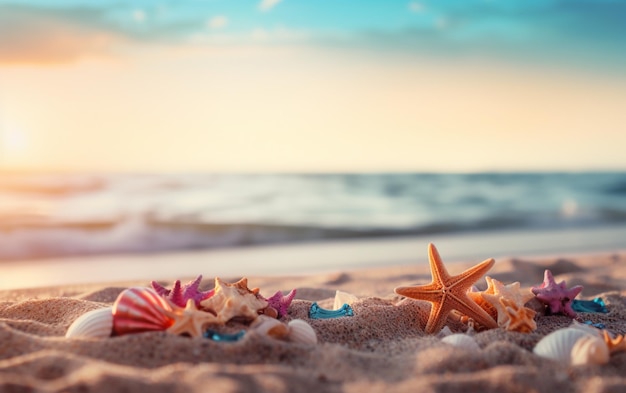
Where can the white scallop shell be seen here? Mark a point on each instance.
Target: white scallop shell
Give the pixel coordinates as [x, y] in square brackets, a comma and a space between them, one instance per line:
[271, 327]
[95, 324]
[589, 350]
[584, 327]
[342, 298]
[301, 332]
[462, 341]
[558, 344]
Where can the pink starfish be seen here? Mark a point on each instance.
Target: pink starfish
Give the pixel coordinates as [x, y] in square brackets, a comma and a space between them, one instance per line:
[281, 303]
[556, 296]
[179, 295]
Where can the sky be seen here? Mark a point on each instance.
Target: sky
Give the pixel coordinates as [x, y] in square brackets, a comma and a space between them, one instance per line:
[313, 86]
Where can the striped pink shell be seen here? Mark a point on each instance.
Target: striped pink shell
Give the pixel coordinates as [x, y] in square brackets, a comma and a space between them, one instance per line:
[140, 310]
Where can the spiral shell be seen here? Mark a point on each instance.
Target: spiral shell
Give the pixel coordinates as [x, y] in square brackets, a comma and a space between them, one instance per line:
[140, 310]
[589, 350]
[94, 324]
[270, 327]
[301, 332]
[558, 344]
[461, 341]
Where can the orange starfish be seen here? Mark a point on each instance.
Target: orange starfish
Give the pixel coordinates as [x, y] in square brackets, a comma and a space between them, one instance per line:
[447, 293]
[190, 320]
[614, 344]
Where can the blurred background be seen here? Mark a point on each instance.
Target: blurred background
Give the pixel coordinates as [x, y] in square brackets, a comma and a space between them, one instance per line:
[152, 127]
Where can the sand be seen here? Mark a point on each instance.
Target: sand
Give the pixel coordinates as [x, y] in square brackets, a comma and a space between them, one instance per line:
[381, 348]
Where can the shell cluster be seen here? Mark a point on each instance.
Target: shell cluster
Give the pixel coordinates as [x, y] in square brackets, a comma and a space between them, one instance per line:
[187, 310]
[297, 330]
[505, 304]
[574, 346]
[139, 310]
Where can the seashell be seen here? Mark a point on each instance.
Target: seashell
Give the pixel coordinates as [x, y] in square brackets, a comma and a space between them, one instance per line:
[478, 298]
[301, 332]
[508, 302]
[270, 327]
[585, 328]
[95, 324]
[234, 300]
[558, 344]
[342, 298]
[589, 350]
[140, 310]
[461, 341]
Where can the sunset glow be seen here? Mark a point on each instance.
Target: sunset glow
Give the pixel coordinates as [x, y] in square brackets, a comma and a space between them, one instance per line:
[276, 86]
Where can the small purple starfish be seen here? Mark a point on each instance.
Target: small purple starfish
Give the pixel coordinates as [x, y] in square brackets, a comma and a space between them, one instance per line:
[179, 295]
[281, 303]
[556, 296]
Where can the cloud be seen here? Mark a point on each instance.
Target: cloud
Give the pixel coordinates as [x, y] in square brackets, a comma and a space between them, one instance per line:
[37, 36]
[266, 5]
[139, 16]
[218, 22]
[416, 7]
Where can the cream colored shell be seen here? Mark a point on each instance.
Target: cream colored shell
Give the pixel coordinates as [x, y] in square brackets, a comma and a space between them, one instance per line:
[271, 327]
[559, 345]
[589, 350]
[94, 324]
[301, 332]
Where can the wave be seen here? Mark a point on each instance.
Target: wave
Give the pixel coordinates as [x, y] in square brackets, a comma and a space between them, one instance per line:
[150, 235]
[57, 215]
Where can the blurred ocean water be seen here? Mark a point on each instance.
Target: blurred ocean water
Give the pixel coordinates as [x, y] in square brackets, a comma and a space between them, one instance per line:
[56, 215]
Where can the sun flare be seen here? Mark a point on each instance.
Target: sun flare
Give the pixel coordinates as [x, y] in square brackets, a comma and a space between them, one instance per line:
[13, 142]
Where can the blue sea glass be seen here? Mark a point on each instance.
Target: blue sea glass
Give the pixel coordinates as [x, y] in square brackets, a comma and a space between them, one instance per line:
[595, 305]
[598, 325]
[316, 312]
[224, 337]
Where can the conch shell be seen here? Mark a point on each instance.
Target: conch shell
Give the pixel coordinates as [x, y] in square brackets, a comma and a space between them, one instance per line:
[94, 324]
[140, 310]
[234, 300]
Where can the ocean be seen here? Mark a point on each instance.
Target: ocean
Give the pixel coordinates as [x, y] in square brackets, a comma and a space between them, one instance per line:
[61, 215]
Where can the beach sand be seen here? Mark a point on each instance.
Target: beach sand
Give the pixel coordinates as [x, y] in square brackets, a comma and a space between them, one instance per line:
[382, 348]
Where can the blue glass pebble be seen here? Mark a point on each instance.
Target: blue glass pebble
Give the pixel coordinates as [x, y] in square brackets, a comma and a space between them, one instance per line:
[224, 337]
[595, 325]
[595, 305]
[316, 312]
